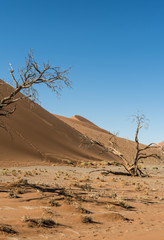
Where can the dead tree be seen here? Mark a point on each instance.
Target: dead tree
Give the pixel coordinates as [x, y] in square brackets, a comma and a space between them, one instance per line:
[142, 151]
[28, 78]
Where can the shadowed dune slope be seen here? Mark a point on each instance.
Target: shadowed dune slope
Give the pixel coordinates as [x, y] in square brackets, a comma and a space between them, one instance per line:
[35, 136]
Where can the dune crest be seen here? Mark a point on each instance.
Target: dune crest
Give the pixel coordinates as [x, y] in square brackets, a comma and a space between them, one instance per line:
[82, 119]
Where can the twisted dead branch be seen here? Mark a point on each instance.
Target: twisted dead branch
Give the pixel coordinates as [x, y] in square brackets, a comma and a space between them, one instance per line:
[29, 77]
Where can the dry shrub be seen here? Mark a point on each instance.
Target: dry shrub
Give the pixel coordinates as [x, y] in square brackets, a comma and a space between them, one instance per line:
[84, 210]
[40, 222]
[21, 182]
[86, 219]
[53, 203]
[7, 229]
[12, 194]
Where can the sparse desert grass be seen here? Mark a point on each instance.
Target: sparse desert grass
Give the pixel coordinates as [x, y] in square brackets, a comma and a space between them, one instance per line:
[114, 179]
[70, 162]
[85, 179]
[68, 200]
[84, 187]
[14, 173]
[5, 172]
[123, 204]
[93, 195]
[125, 183]
[53, 202]
[110, 207]
[102, 180]
[114, 195]
[87, 219]
[19, 190]
[49, 212]
[6, 228]
[27, 173]
[84, 210]
[40, 222]
[12, 194]
[21, 182]
[140, 187]
[156, 168]
[81, 209]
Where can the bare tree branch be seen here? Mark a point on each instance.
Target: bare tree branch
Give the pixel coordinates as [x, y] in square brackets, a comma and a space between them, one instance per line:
[29, 77]
[11, 72]
[148, 156]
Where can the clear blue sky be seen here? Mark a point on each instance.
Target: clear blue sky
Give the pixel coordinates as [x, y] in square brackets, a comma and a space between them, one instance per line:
[115, 49]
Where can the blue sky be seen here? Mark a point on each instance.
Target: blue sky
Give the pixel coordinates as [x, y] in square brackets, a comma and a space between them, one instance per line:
[115, 49]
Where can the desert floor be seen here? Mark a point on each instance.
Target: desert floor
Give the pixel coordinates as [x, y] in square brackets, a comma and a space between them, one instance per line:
[81, 202]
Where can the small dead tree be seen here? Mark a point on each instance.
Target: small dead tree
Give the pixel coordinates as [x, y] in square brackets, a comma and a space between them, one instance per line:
[142, 151]
[28, 78]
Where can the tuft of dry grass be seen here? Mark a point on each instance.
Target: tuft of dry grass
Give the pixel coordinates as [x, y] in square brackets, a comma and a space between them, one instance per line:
[122, 203]
[7, 229]
[19, 190]
[21, 182]
[40, 222]
[140, 187]
[86, 187]
[5, 172]
[53, 203]
[12, 194]
[84, 210]
[87, 219]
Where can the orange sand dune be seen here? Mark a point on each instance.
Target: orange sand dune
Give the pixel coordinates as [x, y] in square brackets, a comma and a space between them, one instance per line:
[36, 135]
[161, 144]
[77, 121]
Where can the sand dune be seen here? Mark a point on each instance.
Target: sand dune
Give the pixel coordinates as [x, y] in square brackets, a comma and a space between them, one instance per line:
[87, 128]
[161, 144]
[79, 122]
[36, 135]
